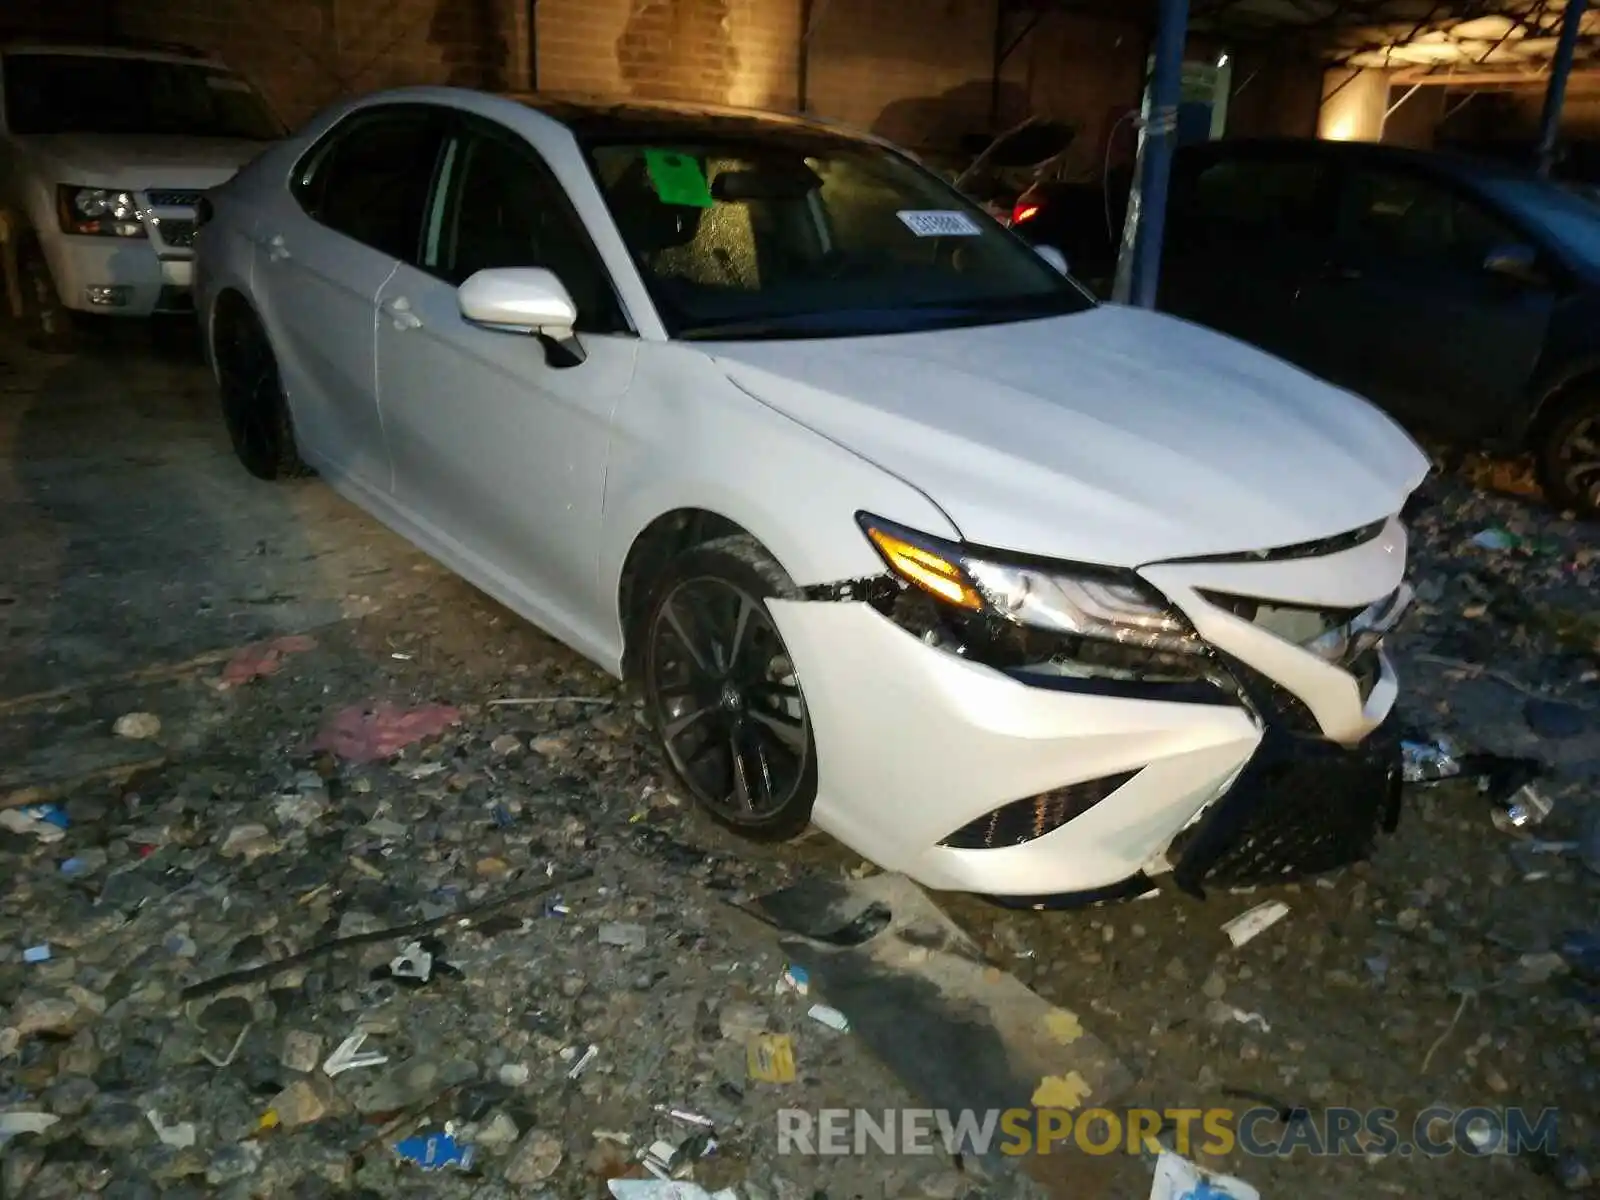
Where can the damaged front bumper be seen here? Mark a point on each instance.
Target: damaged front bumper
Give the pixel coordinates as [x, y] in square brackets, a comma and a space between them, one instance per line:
[970, 775]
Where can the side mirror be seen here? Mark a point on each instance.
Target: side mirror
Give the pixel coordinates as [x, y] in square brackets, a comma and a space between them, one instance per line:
[1514, 261]
[526, 300]
[1053, 256]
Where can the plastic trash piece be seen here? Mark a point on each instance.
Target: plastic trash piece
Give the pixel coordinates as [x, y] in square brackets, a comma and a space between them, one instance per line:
[1523, 809]
[665, 1189]
[262, 659]
[1429, 761]
[685, 1115]
[796, 981]
[43, 821]
[364, 735]
[1496, 538]
[413, 962]
[1254, 922]
[180, 1135]
[769, 1058]
[435, 1152]
[347, 1056]
[829, 1016]
[582, 1065]
[1179, 1179]
[36, 954]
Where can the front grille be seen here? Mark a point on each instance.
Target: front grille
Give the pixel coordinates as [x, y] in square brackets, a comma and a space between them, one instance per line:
[173, 198]
[1301, 807]
[1028, 820]
[1296, 623]
[1275, 704]
[179, 234]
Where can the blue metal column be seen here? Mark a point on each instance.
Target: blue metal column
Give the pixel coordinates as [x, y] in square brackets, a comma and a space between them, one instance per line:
[1139, 266]
[1555, 97]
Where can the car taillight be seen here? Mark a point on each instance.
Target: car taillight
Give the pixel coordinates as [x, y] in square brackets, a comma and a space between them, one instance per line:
[1024, 211]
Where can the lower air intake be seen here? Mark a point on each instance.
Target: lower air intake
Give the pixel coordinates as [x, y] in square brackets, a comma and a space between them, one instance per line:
[1028, 820]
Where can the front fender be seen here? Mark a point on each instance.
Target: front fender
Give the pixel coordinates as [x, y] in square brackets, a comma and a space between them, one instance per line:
[686, 438]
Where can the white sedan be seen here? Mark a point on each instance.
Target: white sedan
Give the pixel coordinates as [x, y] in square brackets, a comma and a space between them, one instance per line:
[897, 529]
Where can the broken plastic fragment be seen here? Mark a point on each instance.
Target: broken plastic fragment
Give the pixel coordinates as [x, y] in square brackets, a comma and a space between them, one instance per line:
[180, 1135]
[1429, 762]
[1254, 922]
[1179, 1179]
[36, 954]
[371, 734]
[829, 1016]
[413, 962]
[1523, 809]
[347, 1056]
[264, 658]
[435, 1152]
[582, 1065]
[665, 1189]
[684, 1115]
[795, 979]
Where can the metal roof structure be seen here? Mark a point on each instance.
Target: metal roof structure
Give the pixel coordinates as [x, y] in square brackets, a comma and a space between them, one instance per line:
[1479, 36]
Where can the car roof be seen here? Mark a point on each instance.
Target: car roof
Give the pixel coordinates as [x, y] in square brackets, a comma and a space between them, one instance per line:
[601, 119]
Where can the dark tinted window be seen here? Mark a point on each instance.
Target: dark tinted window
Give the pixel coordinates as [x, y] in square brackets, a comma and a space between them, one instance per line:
[504, 208]
[372, 181]
[1253, 198]
[1409, 216]
[98, 93]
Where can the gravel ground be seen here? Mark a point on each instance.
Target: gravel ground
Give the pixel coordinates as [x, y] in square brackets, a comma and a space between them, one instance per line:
[311, 749]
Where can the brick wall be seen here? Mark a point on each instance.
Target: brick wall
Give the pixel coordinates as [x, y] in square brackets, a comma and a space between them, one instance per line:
[917, 71]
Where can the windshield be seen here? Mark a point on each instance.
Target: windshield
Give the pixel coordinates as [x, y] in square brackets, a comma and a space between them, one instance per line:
[792, 235]
[87, 93]
[1571, 217]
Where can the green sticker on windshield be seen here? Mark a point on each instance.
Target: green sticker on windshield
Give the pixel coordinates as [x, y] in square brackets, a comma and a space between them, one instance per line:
[678, 179]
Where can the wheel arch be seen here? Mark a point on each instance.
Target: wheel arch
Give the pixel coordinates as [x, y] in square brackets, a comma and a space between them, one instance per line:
[1552, 398]
[653, 547]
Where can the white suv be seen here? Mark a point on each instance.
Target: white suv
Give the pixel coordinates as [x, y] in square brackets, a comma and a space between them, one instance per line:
[105, 151]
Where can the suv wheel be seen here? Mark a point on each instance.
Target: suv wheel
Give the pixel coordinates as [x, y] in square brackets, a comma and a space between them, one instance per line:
[51, 323]
[1569, 456]
[722, 692]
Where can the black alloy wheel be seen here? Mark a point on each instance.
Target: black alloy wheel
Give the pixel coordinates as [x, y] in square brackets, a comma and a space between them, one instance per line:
[723, 693]
[253, 405]
[1569, 459]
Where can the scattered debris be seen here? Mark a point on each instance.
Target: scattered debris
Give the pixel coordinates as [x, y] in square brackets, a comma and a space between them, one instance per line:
[141, 726]
[1252, 923]
[769, 1058]
[1219, 1013]
[623, 935]
[348, 1056]
[1429, 761]
[582, 1065]
[831, 1017]
[43, 821]
[362, 735]
[665, 1189]
[36, 954]
[262, 660]
[180, 1135]
[1179, 1179]
[435, 1152]
[15, 1124]
[794, 981]
[1523, 809]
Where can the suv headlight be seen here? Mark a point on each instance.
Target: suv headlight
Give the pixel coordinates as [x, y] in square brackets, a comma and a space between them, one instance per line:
[98, 211]
[1090, 602]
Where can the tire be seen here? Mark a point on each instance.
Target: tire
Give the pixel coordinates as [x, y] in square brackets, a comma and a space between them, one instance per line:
[1568, 455]
[718, 679]
[253, 404]
[52, 326]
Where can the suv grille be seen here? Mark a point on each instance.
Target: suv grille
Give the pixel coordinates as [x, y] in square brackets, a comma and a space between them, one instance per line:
[173, 198]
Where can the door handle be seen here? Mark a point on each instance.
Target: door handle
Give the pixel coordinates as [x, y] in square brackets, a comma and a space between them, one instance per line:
[276, 250]
[399, 310]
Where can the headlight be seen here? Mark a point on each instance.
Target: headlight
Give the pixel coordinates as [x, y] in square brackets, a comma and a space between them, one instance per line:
[98, 211]
[1090, 602]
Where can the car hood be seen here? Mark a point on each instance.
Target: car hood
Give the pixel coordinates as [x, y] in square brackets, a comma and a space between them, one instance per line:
[1115, 436]
[139, 161]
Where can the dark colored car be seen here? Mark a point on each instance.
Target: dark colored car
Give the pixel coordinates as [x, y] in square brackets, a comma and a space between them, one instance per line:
[1462, 296]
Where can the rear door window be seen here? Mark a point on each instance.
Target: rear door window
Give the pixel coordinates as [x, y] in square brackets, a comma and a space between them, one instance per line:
[1253, 200]
[371, 179]
[1403, 216]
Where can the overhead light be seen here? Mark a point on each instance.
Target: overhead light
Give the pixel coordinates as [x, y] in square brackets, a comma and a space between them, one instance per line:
[1222, 61]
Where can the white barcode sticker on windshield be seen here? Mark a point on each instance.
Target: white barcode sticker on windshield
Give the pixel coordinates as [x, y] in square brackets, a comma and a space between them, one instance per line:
[939, 224]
